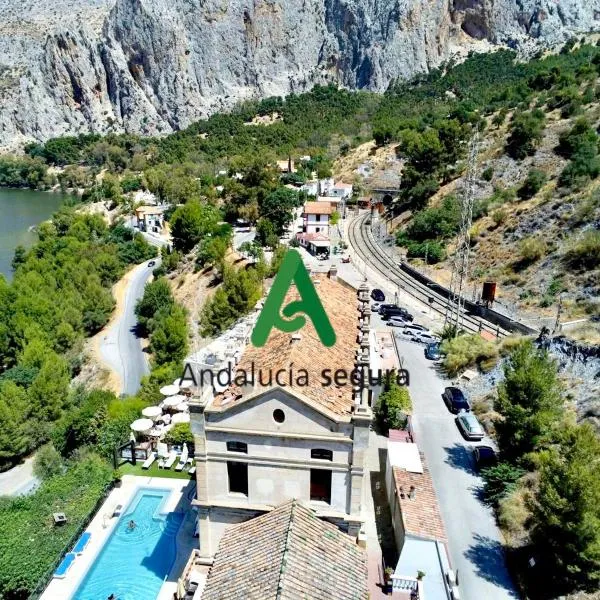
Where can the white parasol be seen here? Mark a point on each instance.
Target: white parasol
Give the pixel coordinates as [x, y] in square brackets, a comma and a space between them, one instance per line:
[173, 401]
[180, 418]
[152, 412]
[182, 407]
[169, 390]
[142, 425]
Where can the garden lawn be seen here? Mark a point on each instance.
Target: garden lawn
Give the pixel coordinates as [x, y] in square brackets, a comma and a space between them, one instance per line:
[153, 471]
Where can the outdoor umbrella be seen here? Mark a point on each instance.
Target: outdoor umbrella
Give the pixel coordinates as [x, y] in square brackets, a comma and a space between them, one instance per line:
[180, 418]
[142, 425]
[182, 407]
[152, 412]
[183, 384]
[169, 390]
[173, 401]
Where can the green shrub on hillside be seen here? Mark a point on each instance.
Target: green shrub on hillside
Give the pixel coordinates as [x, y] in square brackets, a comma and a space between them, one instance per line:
[535, 181]
[470, 350]
[585, 252]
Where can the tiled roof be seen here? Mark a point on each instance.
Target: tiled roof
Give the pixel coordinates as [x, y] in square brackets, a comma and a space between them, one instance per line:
[307, 352]
[287, 554]
[421, 513]
[318, 208]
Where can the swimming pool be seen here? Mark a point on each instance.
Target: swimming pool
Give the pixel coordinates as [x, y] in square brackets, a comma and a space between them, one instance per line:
[134, 563]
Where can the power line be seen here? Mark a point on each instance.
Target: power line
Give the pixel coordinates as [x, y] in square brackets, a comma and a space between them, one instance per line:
[460, 266]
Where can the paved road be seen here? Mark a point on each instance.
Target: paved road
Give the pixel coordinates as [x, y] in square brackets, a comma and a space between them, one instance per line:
[473, 538]
[19, 480]
[121, 348]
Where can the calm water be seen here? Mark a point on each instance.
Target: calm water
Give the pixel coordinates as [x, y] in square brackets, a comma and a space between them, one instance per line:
[19, 210]
[133, 564]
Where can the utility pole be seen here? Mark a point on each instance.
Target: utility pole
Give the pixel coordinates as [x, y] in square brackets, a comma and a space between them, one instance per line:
[558, 315]
[460, 267]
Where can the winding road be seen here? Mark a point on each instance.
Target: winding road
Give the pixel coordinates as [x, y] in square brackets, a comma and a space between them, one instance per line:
[121, 347]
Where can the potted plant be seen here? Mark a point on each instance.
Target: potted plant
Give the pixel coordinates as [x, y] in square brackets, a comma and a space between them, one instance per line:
[420, 575]
[388, 579]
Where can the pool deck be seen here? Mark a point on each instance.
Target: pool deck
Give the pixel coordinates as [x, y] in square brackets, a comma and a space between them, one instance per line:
[103, 524]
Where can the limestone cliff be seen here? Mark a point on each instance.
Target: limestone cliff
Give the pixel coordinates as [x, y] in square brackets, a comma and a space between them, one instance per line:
[151, 66]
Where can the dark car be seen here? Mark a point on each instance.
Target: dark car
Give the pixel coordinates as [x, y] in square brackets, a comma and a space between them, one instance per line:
[432, 351]
[484, 456]
[395, 311]
[377, 295]
[151, 263]
[469, 426]
[384, 307]
[455, 400]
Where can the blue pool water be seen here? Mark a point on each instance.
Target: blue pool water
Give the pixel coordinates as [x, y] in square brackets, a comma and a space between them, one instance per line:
[133, 564]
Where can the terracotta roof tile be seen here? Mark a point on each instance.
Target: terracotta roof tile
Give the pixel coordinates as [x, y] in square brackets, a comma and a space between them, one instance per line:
[307, 352]
[421, 514]
[287, 554]
[318, 208]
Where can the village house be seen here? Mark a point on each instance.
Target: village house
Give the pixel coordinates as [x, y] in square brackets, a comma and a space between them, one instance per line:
[287, 554]
[278, 438]
[286, 166]
[316, 217]
[423, 569]
[150, 218]
[315, 243]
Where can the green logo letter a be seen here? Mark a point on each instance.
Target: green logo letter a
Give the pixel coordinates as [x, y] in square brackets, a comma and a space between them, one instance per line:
[292, 270]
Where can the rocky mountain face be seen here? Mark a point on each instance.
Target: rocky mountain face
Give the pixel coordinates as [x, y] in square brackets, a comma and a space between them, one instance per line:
[152, 66]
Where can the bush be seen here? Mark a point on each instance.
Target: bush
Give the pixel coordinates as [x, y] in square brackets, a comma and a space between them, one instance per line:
[47, 462]
[526, 133]
[487, 174]
[499, 481]
[532, 249]
[499, 216]
[181, 434]
[467, 351]
[534, 182]
[394, 405]
[585, 253]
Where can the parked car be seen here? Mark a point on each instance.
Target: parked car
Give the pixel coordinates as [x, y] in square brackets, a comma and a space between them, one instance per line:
[384, 307]
[151, 263]
[346, 259]
[469, 426]
[424, 337]
[484, 456]
[432, 351]
[396, 321]
[455, 400]
[395, 311]
[378, 295]
[415, 328]
[375, 306]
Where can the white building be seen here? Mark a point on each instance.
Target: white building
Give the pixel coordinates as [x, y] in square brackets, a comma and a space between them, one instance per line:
[150, 218]
[279, 438]
[418, 527]
[316, 217]
[311, 187]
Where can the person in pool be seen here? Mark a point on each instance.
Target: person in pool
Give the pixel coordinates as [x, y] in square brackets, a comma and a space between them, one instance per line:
[131, 525]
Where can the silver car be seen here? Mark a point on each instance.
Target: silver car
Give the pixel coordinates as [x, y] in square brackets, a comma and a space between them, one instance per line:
[469, 426]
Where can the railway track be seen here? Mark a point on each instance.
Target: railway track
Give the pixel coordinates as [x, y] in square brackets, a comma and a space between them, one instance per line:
[364, 246]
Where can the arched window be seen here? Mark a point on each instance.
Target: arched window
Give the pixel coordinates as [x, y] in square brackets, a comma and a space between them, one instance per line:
[321, 454]
[237, 447]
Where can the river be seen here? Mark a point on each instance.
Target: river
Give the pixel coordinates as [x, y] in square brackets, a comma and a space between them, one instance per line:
[19, 210]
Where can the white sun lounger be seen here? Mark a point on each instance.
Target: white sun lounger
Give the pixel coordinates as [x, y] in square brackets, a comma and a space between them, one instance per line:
[149, 460]
[171, 460]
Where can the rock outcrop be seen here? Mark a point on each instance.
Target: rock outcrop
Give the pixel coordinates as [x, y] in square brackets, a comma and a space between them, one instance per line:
[152, 66]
